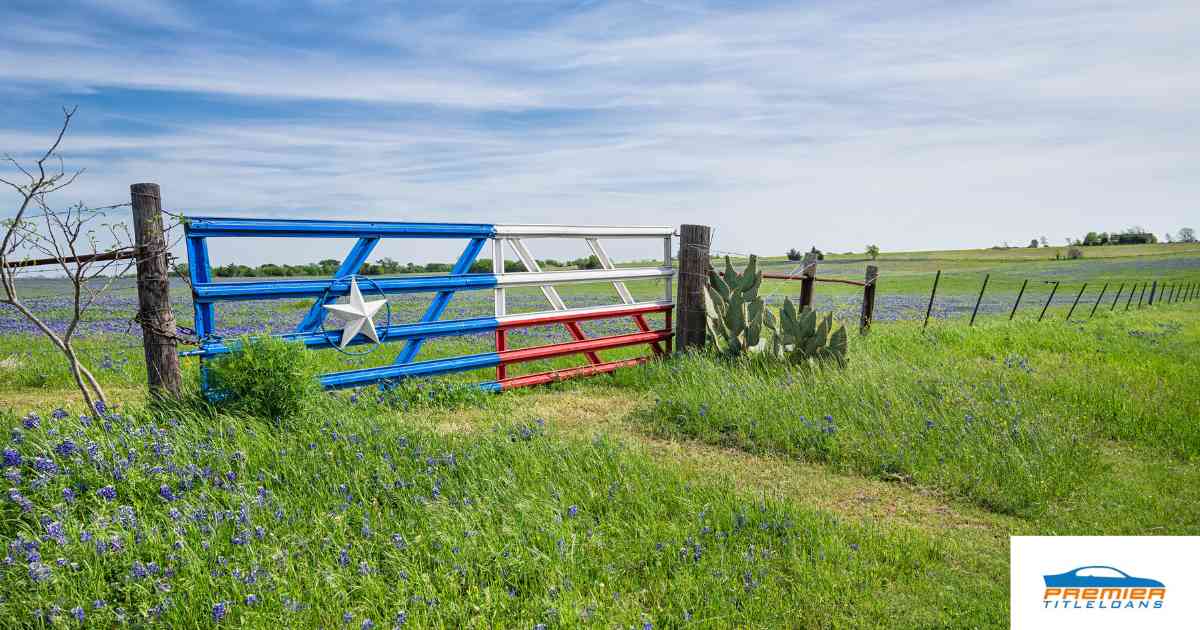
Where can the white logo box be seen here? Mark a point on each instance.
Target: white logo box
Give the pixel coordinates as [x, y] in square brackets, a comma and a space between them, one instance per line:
[1102, 582]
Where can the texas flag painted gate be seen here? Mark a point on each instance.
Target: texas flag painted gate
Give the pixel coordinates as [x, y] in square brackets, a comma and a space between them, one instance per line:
[206, 294]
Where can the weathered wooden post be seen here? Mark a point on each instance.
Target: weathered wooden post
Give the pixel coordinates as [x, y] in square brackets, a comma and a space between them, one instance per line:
[1142, 296]
[1118, 296]
[694, 242]
[154, 297]
[933, 292]
[1076, 302]
[868, 302]
[1131, 292]
[1018, 302]
[808, 280]
[1098, 298]
[979, 299]
[1153, 290]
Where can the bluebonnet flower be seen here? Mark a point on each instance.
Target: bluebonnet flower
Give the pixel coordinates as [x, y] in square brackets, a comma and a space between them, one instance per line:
[54, 531]
[928, 424]
[77, 613]
[343, 558]
[39, 572]
[364, 568]
[66, 448]
[45, 465]
[139, 570]
[11, 457]
[108, 493]
[31, 421]
[16, 497]
[58, 414]
[68, 495]
[347, 617]
[98, 604]
[219, 611]
[572, 511]
[401, 618]
[165, 492]
[251, 599]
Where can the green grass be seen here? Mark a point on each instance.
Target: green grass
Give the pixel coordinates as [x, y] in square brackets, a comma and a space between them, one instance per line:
[510, 526]
[895, 513]
[1010, 416]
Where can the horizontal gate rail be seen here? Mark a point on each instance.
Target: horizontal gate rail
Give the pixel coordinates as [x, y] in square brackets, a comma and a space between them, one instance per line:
[282, 289]
[354, 378]
[203, 227]
[207, 294]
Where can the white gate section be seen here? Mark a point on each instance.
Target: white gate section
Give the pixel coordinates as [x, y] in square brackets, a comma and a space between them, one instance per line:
[533, 275]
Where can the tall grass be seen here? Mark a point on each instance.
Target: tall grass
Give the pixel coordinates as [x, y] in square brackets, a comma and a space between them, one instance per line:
[1006, 415]
[350, 520]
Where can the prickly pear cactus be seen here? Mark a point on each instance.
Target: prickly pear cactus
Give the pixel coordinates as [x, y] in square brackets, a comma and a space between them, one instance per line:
[802, 339]
[740, 323]
[736, 314]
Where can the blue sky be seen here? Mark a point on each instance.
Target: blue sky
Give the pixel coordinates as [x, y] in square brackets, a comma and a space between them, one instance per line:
[914, 125]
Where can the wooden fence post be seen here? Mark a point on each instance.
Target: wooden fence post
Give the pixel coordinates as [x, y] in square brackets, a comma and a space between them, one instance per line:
[868, 303]
[154, 299]
[808, 280]
[691, 324]
[1118, 297]
[1153, 290]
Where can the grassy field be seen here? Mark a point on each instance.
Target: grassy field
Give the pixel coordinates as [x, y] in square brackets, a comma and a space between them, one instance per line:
[688, 493]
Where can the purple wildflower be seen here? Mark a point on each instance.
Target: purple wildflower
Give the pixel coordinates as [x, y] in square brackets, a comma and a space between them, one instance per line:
[77, 613]
[39, 572]
[11, 457]
[45, 465]
[31, 421]
[164, 491]
[54, 531]
[108, 493]
[219, 610]
[68, 495]
[572, 511]
[66, 448]
[251, 599]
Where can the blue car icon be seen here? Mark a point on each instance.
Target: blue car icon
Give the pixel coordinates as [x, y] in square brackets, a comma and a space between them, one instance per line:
[1098, 576]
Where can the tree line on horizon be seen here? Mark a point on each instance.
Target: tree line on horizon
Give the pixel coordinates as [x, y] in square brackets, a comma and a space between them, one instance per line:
[381, 267]
[1135, 235]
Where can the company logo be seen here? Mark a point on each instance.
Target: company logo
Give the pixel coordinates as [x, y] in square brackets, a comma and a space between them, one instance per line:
[1102, 587]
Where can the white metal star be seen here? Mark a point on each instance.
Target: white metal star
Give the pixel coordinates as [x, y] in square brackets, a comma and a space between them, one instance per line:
[355, 314]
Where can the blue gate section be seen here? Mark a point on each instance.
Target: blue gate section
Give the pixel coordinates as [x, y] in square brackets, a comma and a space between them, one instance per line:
[206, 294]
